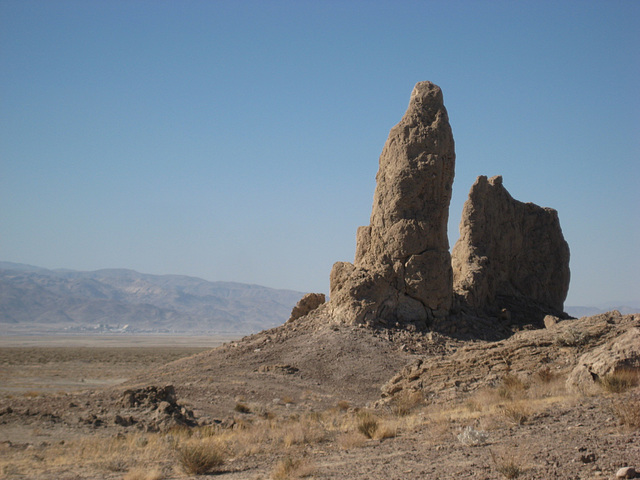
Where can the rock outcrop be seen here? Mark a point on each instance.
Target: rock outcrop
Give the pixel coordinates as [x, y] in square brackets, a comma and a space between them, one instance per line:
[619, 356]
[510, 255]
[402, 269]
[306, 305]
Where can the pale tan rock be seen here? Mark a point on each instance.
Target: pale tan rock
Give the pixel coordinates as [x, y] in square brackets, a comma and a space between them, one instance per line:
[620, 353]
[402, 268]
[550, 321]
[509, 252]
[626, 472]
[307, 304]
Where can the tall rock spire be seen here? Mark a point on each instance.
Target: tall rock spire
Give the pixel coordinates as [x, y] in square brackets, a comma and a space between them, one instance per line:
[402, 270]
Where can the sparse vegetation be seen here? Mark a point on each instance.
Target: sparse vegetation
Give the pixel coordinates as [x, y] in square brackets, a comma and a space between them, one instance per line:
[620, 380]
[290, 468]
[507, 465]
[511, 386]
[199, 458]
[367, 424]
[350, 440]
[627, 411]
[406, 402]
[516, 413]
[242, 408]
[545, 375]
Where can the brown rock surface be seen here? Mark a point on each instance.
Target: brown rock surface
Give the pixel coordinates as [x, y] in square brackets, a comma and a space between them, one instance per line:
[562, 350]
[620, 353]
[509, 253]
[307, 304]
[402, 268]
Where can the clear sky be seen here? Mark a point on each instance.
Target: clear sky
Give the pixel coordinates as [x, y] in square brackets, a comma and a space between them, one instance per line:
[239, 140]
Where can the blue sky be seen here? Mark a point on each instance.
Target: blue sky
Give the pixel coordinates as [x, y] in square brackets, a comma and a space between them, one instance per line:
[239, 140]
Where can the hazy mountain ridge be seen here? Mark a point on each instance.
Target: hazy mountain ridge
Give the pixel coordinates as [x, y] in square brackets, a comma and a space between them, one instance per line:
[36, 299]
[626, 308]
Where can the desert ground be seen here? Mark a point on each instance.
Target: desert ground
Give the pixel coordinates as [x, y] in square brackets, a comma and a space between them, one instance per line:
[311, 399]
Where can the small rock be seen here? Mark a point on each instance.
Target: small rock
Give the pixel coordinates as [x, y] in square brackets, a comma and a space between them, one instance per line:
[588, 458]
[550, 321]
[626, 472]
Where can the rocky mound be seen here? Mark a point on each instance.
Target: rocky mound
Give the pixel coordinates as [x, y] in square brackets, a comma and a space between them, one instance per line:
[601, 344]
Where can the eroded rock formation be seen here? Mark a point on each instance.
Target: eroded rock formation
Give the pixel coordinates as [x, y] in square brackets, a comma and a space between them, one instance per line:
[510, 266]
[510, 254]
[402, 268]
[307, 304]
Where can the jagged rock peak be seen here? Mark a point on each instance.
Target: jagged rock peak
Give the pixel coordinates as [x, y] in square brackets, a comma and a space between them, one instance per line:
[510, 254]
[402, 268]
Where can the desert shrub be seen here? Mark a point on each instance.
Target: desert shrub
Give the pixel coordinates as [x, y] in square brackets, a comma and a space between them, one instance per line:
[627, 411]
[507, 465]
[516, 413]
[620, 380]
[242, 408]
[350, 440]
[405, 402]
[199, 458]
[386, 429]
[290, 468]
[114, 465]
[545, 375]
[510, 386]
[471, 436]
[207, 431]
[367, 424]
[343, 405]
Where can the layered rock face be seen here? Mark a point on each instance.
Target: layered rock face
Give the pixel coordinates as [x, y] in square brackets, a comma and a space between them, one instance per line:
[402, 269]
[509, 253]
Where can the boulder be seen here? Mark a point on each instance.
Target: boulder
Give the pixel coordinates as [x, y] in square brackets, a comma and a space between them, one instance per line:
[510, 254]
[307, 304]
[619, 354]
[402, 268]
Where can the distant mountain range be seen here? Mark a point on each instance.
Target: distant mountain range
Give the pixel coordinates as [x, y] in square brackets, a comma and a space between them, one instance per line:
[37, 300]
[590, 311]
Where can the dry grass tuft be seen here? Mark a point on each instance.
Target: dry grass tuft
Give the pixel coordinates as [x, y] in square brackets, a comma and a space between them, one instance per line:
[406, 402]
[114, 465]
[627, 411]
[199, 458]
[545, 375]
[507, 464]
[367, 424]
[351, 440]
[621, 380]
[516, 413]
[242, 408]
[511, 387]
[290, 468]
